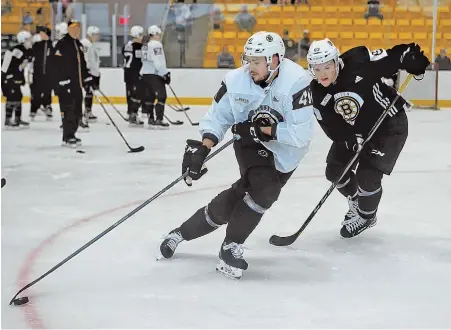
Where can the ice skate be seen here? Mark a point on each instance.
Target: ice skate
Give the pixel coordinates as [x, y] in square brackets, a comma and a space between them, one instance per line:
[11, 124]
[353, 206]
[70, 143]
[90, 118]
[48, 113]
[84, 125]
[355, 225]
[134, 121]
[231, 263]
[22, 124]
[170, 243]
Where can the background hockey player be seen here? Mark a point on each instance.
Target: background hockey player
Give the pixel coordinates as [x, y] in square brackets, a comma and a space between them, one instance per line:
[155, 75]
[268, 102]
[92, 59]
[71, 76]
[41, 73]
[349, 96]
[132, 78]
[13, 78]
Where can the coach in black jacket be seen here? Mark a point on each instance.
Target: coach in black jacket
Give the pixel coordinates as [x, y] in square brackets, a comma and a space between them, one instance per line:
[71, 75]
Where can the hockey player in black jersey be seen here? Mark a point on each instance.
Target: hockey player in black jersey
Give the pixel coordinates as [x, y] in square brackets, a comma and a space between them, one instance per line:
[41, 81]
[13, 66]
[132, 66]
[349, 95]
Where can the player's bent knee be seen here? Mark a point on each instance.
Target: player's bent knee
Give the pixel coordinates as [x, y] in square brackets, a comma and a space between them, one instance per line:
[333, 172]
[369, 179]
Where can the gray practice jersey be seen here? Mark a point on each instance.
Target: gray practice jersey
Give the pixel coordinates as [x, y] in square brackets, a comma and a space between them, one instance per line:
[287, 102]
[92, 57]
[154, 61]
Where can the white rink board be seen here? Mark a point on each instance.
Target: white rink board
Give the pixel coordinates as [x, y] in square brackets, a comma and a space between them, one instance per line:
[395, 275]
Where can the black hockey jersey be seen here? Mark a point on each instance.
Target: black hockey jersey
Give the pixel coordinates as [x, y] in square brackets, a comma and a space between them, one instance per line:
[42, 53]
[14, 63]
[132, 60]
[356, 100]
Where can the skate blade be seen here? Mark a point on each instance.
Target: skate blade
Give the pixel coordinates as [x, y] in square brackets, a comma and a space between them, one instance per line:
[136, 125]
[12, 128]
[229, 271]
[158, 128]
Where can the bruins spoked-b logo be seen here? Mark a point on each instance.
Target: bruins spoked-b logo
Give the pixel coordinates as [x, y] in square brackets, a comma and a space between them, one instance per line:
[348, 105]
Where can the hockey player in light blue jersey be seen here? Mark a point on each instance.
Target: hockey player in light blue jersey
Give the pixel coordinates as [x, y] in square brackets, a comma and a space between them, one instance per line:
[267, 102]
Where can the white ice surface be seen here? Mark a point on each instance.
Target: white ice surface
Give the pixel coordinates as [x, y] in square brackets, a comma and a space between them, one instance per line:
[397, 274]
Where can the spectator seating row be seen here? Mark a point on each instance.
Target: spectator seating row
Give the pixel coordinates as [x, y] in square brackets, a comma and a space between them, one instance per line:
[407, 24]
[335, 11]
[345, 24]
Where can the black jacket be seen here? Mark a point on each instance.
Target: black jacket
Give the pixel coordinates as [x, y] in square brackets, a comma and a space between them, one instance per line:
[69, 63]
[42, 55]
[14, 63]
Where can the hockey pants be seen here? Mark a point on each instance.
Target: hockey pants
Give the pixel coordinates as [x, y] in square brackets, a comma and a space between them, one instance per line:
[241, 206]
[155, 89]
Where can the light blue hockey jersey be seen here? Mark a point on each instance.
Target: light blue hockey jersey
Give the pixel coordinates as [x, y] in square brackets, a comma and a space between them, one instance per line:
[287, 101]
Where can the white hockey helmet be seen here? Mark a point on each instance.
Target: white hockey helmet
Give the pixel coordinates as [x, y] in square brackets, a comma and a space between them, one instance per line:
[136, 31]
[153, 30]
[323, 51]
[25, 38]
[265, 44]
[37, 38]
[92, 30]
[61, 29]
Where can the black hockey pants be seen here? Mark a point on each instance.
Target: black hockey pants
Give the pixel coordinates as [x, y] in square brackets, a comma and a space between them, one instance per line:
[242, 205]
[155, 90]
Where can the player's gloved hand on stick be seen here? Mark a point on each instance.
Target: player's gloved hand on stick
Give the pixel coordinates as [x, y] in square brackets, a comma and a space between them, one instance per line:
[193, 160]
[264, 122]
[354, 144]
[414, 61]
[62, 87]
[250, 132]
[88, 82]
[167, 78]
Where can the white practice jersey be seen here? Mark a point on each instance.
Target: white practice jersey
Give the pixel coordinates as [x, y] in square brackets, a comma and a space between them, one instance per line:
[92, 57]
[287, 101]
[154, 61]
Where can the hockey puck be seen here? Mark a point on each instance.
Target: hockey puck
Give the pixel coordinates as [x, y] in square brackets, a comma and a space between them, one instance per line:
[20, 301]
[3, 182]
[81, 151]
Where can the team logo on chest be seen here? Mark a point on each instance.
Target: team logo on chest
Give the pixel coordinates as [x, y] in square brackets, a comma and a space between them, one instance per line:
[348, 105]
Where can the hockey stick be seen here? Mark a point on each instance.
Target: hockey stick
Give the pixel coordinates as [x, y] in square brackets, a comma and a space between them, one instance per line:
[288, 240]
[138, 149]
[23, 300]
[177, 122]
[114, 107]
[177, 109]
[180, 103]
[182, 108]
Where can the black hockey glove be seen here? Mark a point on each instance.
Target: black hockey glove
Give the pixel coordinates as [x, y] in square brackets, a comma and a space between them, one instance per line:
[414, 61]
[88, 83]
[167, 78]
[264, 122]
[354, 144]
[193, 160]
[250, 132]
